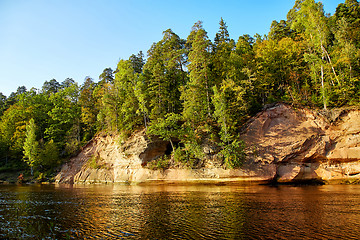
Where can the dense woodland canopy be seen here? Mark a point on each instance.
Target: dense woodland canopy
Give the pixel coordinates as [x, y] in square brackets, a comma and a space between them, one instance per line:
[190, 89]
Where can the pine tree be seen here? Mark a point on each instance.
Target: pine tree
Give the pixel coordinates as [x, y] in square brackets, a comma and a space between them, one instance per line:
[164, 74]
[196, 94]
[222, 48]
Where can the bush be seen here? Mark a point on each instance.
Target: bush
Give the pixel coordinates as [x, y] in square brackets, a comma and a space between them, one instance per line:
[162, 162]
[94, 162]
[233, 154]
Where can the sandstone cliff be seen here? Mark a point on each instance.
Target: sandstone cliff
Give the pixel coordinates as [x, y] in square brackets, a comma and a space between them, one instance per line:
[302, 144]
[284, 144]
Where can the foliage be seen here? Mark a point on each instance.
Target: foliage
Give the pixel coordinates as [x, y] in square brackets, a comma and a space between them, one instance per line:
[31, 145]
[94, 162]
[233, 154]
[167, 128]
[190, 90]
[160, 163]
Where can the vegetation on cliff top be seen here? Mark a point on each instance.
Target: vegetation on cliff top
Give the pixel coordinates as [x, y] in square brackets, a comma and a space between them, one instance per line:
[191, 89]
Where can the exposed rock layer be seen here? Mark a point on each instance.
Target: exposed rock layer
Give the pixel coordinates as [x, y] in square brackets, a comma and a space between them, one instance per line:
[283, 144]
[304, 144]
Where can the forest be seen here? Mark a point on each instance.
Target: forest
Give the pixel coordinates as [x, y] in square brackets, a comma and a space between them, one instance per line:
[189, 89]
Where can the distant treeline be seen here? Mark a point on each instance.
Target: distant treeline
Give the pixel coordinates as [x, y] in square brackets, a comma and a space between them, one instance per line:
[191, 89]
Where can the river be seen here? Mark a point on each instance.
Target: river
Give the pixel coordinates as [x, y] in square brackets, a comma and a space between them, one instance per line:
[179, 212]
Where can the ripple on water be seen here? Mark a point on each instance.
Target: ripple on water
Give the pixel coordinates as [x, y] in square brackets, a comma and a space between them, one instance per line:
[207, 212]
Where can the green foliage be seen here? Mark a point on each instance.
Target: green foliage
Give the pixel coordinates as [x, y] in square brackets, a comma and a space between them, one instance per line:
[48, 156]
[233, 154]
[93, 162]
[64, 124]
[180, 155]
[161, 163]
[89, 110]
[167, 128]
[164, 74]
[196, 94]
[31, 146]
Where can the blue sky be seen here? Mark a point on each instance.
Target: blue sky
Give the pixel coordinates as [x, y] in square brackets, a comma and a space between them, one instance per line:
[45, 39]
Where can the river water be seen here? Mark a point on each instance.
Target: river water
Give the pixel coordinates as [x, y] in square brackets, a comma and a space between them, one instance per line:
[179, 212]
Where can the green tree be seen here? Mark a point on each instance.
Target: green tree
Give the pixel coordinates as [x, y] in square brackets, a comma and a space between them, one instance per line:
[345, 52]
[89, 111]
[48, 156]
[196, 94]
[64, 119]
[222, 49]
[280, 65]
[2, 103]
[125, 83]
[164, 74]
[279, 30]
[167, 128]
[31, 145]
[51, 86]
[242, 70]
[102, 89]
[137, 62]
[310, 20]
[350, 12]
[107, 76]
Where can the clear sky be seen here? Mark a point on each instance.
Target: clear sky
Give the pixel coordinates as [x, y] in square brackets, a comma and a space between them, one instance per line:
[45, 39]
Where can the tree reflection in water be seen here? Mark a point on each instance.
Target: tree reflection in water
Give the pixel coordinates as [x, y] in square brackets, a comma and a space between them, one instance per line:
[174, 212]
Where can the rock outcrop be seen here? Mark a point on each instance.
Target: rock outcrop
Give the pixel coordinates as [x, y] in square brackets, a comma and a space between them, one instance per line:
[303, 144]
[284, 144]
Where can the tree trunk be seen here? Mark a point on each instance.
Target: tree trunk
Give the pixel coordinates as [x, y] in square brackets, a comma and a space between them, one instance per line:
[332, 67]
[322, 86]
[172, 145]
[207, 95]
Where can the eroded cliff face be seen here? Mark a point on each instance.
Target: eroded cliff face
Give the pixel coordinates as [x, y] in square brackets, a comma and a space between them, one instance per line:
[303, 144]
[283, 144]
[105, 160]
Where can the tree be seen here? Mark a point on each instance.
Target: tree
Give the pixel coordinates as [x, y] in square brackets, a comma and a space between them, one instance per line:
[125, 84]
[142, 97]
[167, 128]
[350, 12]
[102, 89]
[31, 145]
[222, 35]
[68, 82]
[64, 122]
[51, 86]
[345, 52]
[88, 110]
[12, 99]
[107, 76]
[310, 20]
[164, 74]
[137, 62]
[222, 48]
[280, 65]
[48, 156]
[2, 103]
[196, 94]
[279, 30]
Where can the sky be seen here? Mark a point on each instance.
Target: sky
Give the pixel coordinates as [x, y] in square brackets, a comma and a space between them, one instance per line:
[42, 40]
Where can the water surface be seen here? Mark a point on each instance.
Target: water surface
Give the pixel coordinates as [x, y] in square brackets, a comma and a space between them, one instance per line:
[179, 212]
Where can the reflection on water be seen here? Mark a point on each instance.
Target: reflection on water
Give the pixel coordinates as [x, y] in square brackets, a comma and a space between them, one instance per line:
[179, 212]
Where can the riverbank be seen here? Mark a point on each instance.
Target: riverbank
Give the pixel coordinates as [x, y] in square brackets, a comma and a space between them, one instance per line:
[283, 145]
